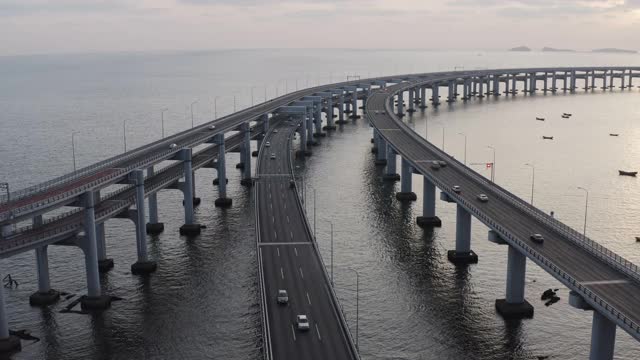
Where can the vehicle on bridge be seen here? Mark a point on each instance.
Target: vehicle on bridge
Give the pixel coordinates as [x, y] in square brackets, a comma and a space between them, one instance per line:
[537, 238]
[456, 189]
[273, 156]
[303, 322]
[483, 197]
[283, 297]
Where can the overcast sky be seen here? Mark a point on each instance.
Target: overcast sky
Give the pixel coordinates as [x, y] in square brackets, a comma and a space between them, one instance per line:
[60, 26]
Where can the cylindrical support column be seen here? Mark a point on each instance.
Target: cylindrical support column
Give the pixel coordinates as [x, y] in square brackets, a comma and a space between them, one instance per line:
[423, 97]
[246, 146]
[406, 193]
[104, 264]
[603, 337]
[188, 188]
[465, 90]
[573, 80]
[142, 266]
[450, 95]
[496, 85]
[514, 305]
[428, 218]
[435, 93]
[514, 84]
[604, 80]
[354, 99]
[401, 103]
[153, 226]
[411, 101]
[303, 135]
[341, 109]
[222, 200]
[42, 263]
[545, 82]
[309, 120]
[8, 343]
[381, 155]
[463, 253]
[329, 112]
[480, 89]
[91, 250]
[390, 173]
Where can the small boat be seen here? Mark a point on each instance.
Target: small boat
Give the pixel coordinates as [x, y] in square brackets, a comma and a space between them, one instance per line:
[637, 238]
[566, 114]
[627, 173]
[613, 134]
[547, 137]
[540, 119]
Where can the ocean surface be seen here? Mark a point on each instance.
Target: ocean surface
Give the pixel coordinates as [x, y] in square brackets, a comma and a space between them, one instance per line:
[202, 303]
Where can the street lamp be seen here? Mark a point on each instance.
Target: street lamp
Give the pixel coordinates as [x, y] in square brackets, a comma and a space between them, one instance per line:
[533, 179]
[586, 207]
[465, 147]
[493, 164]
[357, 302]
[191, 107]
[73, 149]
[162, 119]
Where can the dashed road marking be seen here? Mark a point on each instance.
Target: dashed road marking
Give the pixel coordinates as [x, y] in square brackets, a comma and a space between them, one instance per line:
[308, 299]
[277, 249]
[318, 332]
[293, 332]
[301, 273]
[295, 250]
[282, 273]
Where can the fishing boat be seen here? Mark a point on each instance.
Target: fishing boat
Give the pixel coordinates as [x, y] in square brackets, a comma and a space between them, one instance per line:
[637, 238]
[566, 114]
[613, 134]
[627, 173]
[540, 119]
[547, 137]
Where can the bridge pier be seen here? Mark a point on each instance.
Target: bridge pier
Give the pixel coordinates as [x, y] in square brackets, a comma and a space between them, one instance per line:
[94, 300]
[8, 343]
[143, 265]
[405, 193]
[222, 200]
[104, 264]
[354, 100]
[341, 109]
[496, 85]
[411, 104]
[153, 226]
[435, 93]
[391, 174]
[423, 97]
[309, 120]
[45, 294]
[451, 92]
[463, 253]
[189, 228]
[400, 104]
[245, 153]
[480, 87]
[428, 218]
[603, 330]
[329, 113]
[514, 305]
[381, 154]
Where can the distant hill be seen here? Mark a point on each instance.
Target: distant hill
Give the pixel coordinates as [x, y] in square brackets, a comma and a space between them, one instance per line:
[550, 49]
[615, 51]
[520, 48]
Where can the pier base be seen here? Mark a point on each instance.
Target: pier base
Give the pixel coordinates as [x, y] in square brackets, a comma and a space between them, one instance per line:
[95, 303]
[428, 221]
[105, 265]
[247, 182]
[44, 298]
[391, 177]
[10, 345]
[461, 258]
[223, 202]
[143, 267]
[155, 229]
[406, 196]
[514, 311]
[190, 229]
[216, 181]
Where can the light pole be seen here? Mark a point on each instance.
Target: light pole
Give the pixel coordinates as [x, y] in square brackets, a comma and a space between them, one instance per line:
[124, 134]
[162, 119]
[191, 107]
[533, 179]
[493, 164]
[465, 147]
[357, 303]
[73, 149]
[586, 207]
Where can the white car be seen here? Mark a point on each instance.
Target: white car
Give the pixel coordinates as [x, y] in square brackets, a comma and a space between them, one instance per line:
[212, 127]
[283, 297]
[483, 197]
[173, 146]
[456, 189]
[267, 144]
[442, 163]
[303, 322]
[537, 238]
[273, 156]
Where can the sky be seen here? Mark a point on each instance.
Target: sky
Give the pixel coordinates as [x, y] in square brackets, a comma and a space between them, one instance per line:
[78, 26]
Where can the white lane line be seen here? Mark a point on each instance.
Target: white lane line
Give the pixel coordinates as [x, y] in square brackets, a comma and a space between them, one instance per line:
[301, 273]
[282, 273]
[295, 250]
[308, 299]
[318, 332]
[277, 249]
[271, 206]
[285, 205]
[604, 282]
[275, 234]
[293, 332]
[287, 219]
[273, 219]
[291, 233]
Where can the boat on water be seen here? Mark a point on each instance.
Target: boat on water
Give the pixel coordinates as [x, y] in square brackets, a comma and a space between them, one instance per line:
[566, 114]
[637, 238]
[547, 137]
[540, 119]
[613, 134]
[627, 173]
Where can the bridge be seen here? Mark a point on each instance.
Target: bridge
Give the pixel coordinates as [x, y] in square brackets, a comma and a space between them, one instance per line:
[599, 279]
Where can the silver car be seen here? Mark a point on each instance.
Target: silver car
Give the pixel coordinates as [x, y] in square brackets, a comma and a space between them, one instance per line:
[537, 238]
[303, 322]
[283, 297]
[483, 197]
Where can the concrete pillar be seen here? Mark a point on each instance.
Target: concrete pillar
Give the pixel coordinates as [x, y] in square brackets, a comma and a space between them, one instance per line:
[506, 85]
[94, 299]
[475, 87]
[622, 81]
[532, 83]
[514, 84]
[45, 295]
[546, 81]
[573, 80]
[153, 226]
[341, 109]
[381, 156]
[554, 88]
[630, 79]
[526, 84]
[480, 89]
[496, 85]
[514, 304]
[401, 103]
[188, 188]
[423, 97]
[428, 218]
[223, 200]
[564, 81]
[604, 80]
[593, 80]
[104, 263]
[405, 193]
[246, 146]
[354, 99]
[450, 94]
[411, 101]
[309, 121]
[465, 90]
[435, 93]
[391, 174]
[329, 112]
[8, 343]
[463, 253]
[143, 265]
[603, 337]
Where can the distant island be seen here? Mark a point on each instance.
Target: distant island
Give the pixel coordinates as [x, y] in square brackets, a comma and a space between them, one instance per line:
[615, 51]
[520, 48]
[550, 49]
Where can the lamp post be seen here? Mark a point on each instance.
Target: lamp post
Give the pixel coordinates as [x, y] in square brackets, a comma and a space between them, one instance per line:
[493, 164]
[162, 119]
[191, 107]
[357, 303]
[465, 147]
[73, 149]
[533, 179]
[586, 207]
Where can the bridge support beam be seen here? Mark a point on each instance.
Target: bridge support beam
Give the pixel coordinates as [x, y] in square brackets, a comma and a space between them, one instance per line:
[222, 200]
[603, 337]
[45, 294]
[405, 193]
[514, 305]
[435, 93]
[423, 97]
[410, 106]
[463, 253]
[94, 300]
[246, 155]
[104, 264]
[428, 218]
[8, 343]
[189, 228]
[381, 154]
[153, 226]
[400, 104]
[143, 265]
[390, 174]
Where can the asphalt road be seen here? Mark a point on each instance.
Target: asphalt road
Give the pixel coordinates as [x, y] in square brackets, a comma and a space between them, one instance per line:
[291, 263]
[615, 287]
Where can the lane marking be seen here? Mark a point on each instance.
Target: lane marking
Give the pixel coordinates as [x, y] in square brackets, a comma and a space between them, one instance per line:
[318, 332]
[273, 219]
[308, 299]
[275, 234]
[285, 205]
[295, 250]
[301, 273]
[291, 232]
[287, 219]
[293, 332]
[271, 206]
[604, 282]
[284, 243]
[277, 249]
[282, 273]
